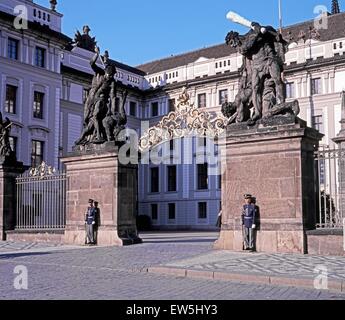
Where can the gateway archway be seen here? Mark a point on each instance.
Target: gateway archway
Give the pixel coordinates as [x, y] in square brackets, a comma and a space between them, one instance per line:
[180, 168]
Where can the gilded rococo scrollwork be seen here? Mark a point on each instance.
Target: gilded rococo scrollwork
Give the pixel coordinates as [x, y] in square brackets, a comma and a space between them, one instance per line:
[43, 170]
[186, 120]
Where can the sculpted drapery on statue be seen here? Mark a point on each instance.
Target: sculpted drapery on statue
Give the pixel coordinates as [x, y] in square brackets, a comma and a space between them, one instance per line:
[261, 86]
[102, 120]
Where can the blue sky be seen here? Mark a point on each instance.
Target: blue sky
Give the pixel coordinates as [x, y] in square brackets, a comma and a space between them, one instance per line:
[138, 31]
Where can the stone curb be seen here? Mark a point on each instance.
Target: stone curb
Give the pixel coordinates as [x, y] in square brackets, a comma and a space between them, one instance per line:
[308, 283]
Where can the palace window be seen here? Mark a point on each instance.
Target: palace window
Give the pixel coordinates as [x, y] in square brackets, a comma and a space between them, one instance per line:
[171, 104]
[154, 109]
[202, 100]
[40, 57]
[290, 90]
[172, 211]
[202, 176]
[154, 180]
[316, 86]
[38, 105]
[317, 123]
[11, 99]
[12, 48]
[36, 153]
[154, 212]
[133, 109]
[202, 214]
[13, 144]
[223, 96]
[172, 186]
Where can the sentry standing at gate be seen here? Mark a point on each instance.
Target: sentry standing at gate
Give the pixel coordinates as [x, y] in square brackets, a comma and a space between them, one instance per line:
[90, 221]
[249, 215]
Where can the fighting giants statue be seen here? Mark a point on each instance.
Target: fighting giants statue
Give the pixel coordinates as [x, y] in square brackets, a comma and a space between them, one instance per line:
[261, 86]
[5, 128]
[102, 122]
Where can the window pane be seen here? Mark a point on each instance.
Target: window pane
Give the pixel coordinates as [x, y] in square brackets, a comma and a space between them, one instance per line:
[13, 144]
[316, 86]
[154, 110]
[223, 96]
[202, 100]
[38, 105]
[202, 210]
[171, 105]
[203, 176]
[154, 179]
[290, 90]
[154, 211]
[133, 109]
[40, 57]
[12, 49]
[11, 99]
[36, 153]
[172, 178]
[172, 211]
[317, 123]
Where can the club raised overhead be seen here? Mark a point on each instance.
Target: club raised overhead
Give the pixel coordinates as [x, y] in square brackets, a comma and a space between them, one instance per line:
[234, 17]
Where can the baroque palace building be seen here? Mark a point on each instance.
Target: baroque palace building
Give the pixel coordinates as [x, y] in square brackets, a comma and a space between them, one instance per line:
[45, 78]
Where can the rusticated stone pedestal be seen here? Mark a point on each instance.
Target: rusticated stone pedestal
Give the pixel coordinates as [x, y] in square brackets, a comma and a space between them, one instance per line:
[97, 174]
[274, 163]
[9, 171]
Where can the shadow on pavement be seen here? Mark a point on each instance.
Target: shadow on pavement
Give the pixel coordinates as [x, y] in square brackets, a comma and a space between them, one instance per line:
[7, 256]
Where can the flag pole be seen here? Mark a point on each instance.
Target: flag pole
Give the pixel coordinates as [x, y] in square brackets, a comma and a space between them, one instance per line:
[280, 16]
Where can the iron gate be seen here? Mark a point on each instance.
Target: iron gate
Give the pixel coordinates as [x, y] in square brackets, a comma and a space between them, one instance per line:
[330, 170]
[41, 199]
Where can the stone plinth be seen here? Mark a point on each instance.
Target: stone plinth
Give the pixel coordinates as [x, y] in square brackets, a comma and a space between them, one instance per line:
[9, 171]
[276, 165]
[97, 174]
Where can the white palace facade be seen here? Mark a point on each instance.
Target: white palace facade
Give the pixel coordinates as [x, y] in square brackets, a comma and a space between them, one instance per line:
[44, 82]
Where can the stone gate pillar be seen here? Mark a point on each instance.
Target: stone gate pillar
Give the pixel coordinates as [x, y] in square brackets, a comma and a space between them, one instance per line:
[97, 174]
[274, 163]
[9, 171]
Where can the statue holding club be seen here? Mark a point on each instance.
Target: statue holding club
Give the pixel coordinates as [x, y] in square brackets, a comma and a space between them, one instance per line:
[261, 84]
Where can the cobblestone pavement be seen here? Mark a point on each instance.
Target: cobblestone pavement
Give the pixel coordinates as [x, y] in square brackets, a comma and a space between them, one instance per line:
[274, 264]
[113, 273]
[17, 246]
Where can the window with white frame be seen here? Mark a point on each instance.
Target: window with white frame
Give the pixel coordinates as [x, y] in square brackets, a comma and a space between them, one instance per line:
[317, 123]
[12, 48]
[290, 90]
[202, 100]
[316, 86]
[223, 96]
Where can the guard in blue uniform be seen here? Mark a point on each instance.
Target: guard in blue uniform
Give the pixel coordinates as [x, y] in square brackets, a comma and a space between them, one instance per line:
[90, 221]
[249, 214]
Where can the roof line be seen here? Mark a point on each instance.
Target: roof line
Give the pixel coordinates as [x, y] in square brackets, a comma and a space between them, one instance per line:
[221, 44]
[180, 54]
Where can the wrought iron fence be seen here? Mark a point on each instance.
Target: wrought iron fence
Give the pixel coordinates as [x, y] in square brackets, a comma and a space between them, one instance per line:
[330, 168]
[41, 199]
